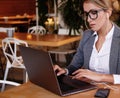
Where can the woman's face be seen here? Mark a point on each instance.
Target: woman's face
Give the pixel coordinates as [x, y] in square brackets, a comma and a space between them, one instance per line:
[95, 16]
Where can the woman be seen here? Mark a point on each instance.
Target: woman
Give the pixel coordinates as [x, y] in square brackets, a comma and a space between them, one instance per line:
[98, 54]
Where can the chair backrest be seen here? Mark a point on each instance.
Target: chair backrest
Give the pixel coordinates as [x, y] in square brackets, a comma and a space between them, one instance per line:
[10, 48]
[37, 30]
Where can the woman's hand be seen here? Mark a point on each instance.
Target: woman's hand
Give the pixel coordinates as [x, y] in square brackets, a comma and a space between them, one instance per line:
[59, 70]
[85, 73]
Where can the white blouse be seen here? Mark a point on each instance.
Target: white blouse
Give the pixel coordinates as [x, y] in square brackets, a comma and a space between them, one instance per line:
[99, 61]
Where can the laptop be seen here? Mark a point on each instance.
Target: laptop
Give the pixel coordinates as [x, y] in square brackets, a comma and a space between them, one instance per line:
[40, 71]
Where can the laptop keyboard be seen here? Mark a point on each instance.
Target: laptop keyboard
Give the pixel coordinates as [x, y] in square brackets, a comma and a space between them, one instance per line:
[67, 83]
[64, 86]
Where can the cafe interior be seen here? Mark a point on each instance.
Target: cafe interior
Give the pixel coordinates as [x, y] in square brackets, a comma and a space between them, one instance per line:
[41, 25]
[35, 22]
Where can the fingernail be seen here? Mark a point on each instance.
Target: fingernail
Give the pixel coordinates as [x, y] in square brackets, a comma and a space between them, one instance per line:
[58, 74]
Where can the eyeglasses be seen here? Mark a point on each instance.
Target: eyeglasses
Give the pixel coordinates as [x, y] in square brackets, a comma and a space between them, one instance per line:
[92, 14]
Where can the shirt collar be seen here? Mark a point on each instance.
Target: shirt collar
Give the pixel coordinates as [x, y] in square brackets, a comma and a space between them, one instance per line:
[94, 34]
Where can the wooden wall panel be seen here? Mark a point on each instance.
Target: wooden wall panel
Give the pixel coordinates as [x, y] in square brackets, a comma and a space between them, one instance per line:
[14, 7]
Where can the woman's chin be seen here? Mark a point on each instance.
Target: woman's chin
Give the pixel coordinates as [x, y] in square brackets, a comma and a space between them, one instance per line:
[94, 29]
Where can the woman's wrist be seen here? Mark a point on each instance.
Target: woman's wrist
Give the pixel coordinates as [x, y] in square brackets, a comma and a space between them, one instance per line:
[66, 71]
[107, 78]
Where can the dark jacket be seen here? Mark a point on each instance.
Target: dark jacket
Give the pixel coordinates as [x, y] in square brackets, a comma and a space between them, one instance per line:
[82, 57]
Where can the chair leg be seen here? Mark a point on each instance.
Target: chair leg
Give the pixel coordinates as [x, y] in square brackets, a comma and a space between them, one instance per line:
[57, 57]
[25, 76]
[5, 77]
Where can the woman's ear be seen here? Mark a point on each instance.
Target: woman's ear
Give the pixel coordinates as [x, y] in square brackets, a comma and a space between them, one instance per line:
[109, 13]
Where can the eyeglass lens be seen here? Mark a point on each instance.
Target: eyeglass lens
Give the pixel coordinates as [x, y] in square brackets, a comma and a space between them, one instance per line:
[92, 14]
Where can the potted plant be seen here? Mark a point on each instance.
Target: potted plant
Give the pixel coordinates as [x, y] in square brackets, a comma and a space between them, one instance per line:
[72, 12]
[43, 10]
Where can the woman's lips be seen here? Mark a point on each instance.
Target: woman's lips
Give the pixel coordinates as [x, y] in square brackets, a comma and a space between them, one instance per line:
[92, 25]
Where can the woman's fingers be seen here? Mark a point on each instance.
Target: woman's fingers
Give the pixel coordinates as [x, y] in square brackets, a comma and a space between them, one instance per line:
[78, 71]
[59, 70]
[81, 73]
[56, 67]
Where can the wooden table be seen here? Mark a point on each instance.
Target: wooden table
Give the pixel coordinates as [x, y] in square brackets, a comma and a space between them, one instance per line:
[48, 40]
[29, 90]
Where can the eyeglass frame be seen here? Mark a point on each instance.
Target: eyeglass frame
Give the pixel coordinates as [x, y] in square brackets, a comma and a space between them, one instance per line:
[86, 14]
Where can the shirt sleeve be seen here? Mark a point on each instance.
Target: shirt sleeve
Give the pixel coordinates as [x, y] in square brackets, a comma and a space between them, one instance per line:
[67, 72]
[116, 79]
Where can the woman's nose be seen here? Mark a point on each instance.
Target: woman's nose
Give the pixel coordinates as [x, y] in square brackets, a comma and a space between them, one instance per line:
[89, 19]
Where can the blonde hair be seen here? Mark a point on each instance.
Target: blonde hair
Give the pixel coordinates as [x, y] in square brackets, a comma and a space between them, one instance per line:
[116, 5]
[106, 4]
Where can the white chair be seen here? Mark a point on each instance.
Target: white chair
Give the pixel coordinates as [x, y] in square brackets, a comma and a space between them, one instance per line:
[37, 30]
[10, 48]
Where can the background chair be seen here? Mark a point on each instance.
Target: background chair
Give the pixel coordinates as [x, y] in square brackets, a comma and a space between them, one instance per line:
[37, 30]
[68, 50]
[10, 48]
